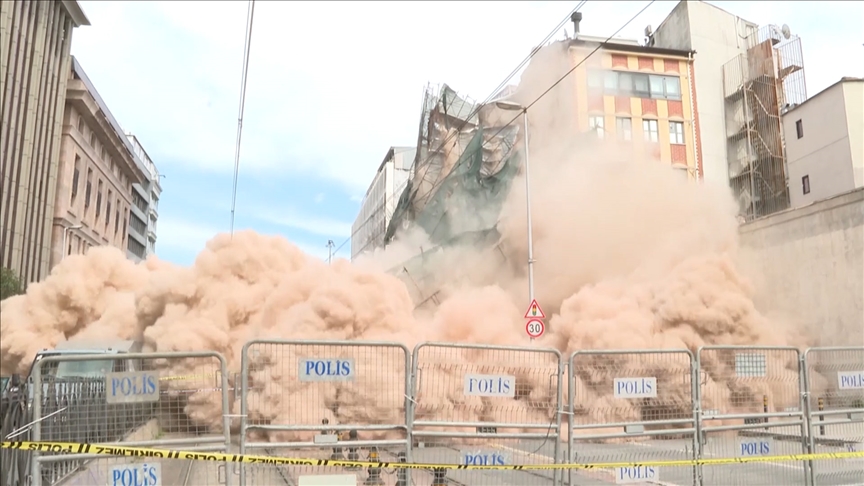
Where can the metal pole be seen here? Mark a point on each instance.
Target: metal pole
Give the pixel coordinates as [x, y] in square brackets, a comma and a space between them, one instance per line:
[528, 210]
[330, 251]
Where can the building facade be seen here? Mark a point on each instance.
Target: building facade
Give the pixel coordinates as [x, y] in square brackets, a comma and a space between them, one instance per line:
[376, 210]
[145, 194]
[96, 173]
[638, 95]
[825, 143]
[746, 77]
[35, 40]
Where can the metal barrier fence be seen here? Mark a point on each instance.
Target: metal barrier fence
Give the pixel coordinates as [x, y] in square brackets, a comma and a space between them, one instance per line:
[451, 403]
[487, 405]
[835, 409]
[631, 406]
[323, 399]
[161, 400]
[750, 405]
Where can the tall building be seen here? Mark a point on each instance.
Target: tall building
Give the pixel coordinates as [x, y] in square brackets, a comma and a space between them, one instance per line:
[381, 199]
[35, 40]
[746, 77]
[148, 193]
[825, 143]
[97, 171]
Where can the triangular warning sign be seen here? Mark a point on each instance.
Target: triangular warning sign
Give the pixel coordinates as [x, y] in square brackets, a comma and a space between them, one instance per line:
[534, 311]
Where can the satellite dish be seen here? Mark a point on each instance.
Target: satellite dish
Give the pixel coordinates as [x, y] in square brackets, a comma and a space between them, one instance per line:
[785, 31]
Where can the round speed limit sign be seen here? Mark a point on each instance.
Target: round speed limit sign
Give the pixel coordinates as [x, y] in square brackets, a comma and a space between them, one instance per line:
[535, 328]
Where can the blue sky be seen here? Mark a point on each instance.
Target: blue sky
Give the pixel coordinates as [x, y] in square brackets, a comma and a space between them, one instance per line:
[332, 86]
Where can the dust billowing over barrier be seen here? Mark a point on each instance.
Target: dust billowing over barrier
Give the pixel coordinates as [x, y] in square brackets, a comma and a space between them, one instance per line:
[628, 256]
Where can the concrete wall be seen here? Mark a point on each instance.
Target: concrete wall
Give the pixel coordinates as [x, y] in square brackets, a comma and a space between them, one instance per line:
[824, 153]
[808, 266]
[853, 92]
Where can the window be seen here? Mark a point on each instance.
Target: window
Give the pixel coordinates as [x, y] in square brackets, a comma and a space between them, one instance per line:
[625, 83]
[98, 200]
[117, 218]
[89, 188]
[624, 129]
[805, 184]
[799, 129]
[611, 83]
[108, 210]
[676, 132]
[80, 125]
[596, 124]
[673, 87]
[595, 79]
[649, 128]
[93, 140]
[640, 86]
[76, 175]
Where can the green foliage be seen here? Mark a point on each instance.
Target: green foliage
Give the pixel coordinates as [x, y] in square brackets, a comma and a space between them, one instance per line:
[9, 284]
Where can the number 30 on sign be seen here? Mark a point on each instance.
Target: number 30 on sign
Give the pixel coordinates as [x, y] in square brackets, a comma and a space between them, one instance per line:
[535, 328]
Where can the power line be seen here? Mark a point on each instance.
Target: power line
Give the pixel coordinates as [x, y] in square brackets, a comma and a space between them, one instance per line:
[471, 115]
[556, 83]
[250, 16]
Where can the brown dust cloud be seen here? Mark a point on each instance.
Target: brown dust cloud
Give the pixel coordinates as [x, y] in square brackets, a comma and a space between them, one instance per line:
[628, 254]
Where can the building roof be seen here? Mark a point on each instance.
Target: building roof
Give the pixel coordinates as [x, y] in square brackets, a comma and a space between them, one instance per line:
[627, 47]
[74, 10]
[844, 79]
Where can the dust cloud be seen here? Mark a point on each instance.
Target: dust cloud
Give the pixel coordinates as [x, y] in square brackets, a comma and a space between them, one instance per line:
[629, 255]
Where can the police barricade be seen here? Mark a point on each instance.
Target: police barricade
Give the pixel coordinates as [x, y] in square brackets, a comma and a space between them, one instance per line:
[835, 408]
[486, 405]
[323, 399]
[631, 406]
[751, 405]
[169, 400]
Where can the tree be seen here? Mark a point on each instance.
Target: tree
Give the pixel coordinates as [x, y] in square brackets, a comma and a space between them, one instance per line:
[9, 284]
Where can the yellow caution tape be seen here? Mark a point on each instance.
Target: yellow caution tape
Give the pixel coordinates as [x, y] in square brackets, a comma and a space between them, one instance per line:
[116, 450]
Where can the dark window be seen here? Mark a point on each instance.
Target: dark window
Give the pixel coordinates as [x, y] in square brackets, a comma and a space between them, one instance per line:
[799, 128]
[89, 188]
[76, 175]
[625, 83]
[99, 199]
[641, 87]
[673, 87]
[117, 219]
[805, 184]
[108, 210]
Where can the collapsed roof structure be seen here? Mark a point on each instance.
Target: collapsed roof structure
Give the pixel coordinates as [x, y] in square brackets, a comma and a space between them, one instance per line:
[462, 172]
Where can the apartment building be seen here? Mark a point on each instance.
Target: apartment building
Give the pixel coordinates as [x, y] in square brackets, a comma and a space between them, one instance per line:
[381, 199]
[96, 172]
[825, 143]
[35, 40]
[145, 207]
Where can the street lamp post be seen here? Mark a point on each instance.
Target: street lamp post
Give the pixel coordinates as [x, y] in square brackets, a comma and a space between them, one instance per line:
[509, 105]
[65, 235]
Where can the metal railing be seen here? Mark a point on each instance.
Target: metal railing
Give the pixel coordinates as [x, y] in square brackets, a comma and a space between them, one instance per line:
[449, 403]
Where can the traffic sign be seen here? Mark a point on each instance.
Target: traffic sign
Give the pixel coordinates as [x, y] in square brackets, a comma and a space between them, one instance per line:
[535, 328]
[534, 311]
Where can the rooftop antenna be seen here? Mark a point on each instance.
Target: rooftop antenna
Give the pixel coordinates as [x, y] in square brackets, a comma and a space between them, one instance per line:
[330, 246]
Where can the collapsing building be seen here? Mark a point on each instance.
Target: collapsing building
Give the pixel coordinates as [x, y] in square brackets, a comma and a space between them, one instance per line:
[463, 169]
[760, 85]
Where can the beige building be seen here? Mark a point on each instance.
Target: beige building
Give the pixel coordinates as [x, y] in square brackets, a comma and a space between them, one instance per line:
[825, 143]
[35, 38]
[96, 172]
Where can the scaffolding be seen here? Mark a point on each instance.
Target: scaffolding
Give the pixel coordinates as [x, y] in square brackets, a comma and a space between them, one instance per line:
[760, 85]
